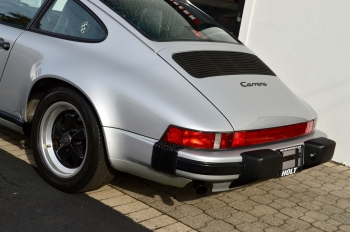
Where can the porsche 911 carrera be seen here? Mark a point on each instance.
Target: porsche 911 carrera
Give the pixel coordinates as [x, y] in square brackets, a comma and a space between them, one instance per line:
[154, 88]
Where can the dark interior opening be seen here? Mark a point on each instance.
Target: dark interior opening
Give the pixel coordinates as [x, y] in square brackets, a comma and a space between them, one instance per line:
[227, 13]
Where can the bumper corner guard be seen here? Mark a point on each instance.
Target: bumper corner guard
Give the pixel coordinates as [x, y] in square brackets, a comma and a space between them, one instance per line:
[260, 165]
[164, 157]
[318, 151]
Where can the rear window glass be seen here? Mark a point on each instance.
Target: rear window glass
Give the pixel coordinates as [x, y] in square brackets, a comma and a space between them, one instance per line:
[168, 20]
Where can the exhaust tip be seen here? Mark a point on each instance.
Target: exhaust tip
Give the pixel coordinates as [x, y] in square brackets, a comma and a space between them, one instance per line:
[199, 188]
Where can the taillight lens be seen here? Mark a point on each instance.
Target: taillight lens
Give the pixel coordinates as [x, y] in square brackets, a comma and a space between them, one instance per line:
[254, 137]
[211, 140]
[197, 139]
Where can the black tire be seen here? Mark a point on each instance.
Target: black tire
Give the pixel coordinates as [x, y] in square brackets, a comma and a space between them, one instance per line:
[67, 142]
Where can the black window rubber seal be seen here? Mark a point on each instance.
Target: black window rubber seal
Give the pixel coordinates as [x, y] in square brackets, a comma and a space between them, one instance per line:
[45, 8]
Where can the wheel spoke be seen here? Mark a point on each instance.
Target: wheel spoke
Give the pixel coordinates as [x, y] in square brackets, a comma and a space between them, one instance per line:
[76, 154]
[79, 135]
[62, 154]
[70, 121]
[58, 130]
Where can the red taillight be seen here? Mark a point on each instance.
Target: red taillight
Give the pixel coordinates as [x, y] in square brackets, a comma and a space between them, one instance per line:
[226, 140]
[197, 139]
[211, 140]
[254, 137]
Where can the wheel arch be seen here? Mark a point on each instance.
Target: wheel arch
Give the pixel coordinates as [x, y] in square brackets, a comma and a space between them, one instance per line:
[40, 89]
[37, 92]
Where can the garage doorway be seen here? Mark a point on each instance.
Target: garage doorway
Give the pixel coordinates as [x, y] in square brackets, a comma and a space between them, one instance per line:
[227, 13]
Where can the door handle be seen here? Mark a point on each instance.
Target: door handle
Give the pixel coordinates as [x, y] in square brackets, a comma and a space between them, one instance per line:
[5, 45]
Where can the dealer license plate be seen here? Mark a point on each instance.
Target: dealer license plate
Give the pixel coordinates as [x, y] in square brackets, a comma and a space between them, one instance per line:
[292, 159]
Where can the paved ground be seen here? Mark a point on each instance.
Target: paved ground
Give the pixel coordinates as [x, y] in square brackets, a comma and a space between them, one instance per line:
[27, 203]
[314, 200]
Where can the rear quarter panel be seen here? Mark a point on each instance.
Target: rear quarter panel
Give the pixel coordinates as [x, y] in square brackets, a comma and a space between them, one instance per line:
[128, 84]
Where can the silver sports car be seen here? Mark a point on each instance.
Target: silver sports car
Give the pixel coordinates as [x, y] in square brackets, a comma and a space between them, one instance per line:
[155, 88]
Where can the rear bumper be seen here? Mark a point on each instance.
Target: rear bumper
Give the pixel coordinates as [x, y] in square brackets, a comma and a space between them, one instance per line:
[264, 164]
[142, 156]
[245, 166]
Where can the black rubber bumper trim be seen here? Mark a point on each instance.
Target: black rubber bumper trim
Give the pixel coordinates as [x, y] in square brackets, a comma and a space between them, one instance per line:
[318, 151]
[213, 169]
[260, 165]
[256, 166]
[164, 157]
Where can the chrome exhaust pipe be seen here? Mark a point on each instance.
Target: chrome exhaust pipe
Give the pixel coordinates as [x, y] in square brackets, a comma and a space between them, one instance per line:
[199, 188]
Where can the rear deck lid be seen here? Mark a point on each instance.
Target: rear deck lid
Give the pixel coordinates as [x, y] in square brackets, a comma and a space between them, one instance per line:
[239, 84]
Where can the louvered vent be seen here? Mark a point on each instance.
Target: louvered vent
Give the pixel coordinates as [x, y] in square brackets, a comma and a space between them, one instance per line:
[201, 64]
[164, 157]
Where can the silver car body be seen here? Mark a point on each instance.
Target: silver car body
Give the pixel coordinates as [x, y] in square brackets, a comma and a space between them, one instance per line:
[138, 90]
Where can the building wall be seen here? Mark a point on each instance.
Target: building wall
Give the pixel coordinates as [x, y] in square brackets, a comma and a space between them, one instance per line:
[307, 44]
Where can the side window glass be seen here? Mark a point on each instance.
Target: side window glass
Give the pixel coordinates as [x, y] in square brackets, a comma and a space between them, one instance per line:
[68, 18]
[18, 13]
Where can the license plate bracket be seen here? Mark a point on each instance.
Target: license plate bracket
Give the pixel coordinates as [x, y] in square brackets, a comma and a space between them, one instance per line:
[292, 159]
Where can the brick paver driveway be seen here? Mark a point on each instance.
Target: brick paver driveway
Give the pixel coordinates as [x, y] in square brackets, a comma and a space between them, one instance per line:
[317, 199]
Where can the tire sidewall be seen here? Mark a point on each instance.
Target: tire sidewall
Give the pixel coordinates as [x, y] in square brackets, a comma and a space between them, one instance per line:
[94, 146]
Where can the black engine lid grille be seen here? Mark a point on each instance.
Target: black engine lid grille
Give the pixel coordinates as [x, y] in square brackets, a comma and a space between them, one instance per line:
[201, 64]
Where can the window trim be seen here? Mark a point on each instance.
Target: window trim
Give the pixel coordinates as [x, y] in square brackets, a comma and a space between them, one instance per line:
[47, 6]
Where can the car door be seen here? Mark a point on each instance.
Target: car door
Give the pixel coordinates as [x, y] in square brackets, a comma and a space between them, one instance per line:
[8, 36]
[15, 17]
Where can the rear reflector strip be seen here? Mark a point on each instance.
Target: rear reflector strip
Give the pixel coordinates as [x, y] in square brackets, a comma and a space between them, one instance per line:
[254, 137]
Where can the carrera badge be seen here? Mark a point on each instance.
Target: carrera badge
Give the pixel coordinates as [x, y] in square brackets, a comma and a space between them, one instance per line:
[245, 84]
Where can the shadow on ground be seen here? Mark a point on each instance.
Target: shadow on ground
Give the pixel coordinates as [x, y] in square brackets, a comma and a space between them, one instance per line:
[28, 203]
[124, 182]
